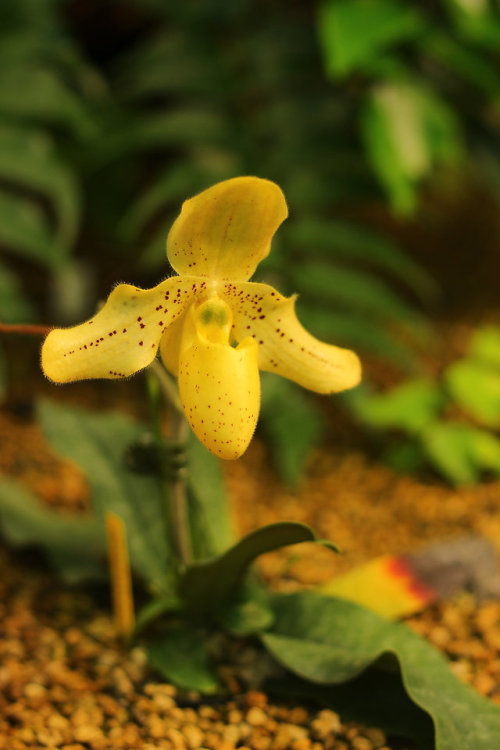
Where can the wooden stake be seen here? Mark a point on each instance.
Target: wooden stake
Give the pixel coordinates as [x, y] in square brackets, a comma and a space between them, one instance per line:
[121, 578]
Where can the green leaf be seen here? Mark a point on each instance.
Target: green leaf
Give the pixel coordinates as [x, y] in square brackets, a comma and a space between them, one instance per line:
[209, 513]
[98, 443]
[330, 641]
[341, 239]
[293, 426]
[182, 127]
[407, 129]
[75, 545]
[355, 32]
[475, 386]
[472, 67]
[478, 23]
[409, 406]
[461, 452]
[356, 331]
[209, 584]
[28, 158]
[32, 92]
[153, 610]
[180, 655]
[165, 64]
[485, 345]
[352, 289]
[246, 617]
[14, 306]
[24, 230]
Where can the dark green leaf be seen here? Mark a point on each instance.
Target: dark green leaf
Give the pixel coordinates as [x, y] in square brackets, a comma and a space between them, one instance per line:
[181, 657]
[97, 443]
[153, 610]
[27, 158]
[293, 426]
[165, 64]
[209, 513]
[24, 230]
[177, 128]
[356, 331]
[74, 544]
[353, 290]
[209, 584]
[14, 306]
[331, 641]
[44, 98]
[246, 617]
[467, 63]
[340, 239]
[374, 698]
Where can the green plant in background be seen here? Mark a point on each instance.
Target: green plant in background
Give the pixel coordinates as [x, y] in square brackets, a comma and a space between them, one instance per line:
[462, 447]
[168, 492]
[428, 77]
[45, 118]
[97, 154]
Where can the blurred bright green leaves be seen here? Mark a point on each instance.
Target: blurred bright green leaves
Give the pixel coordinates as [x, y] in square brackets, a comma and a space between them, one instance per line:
[409, 406]
[353, 33]
[461, 451]
[407, 130]
[474, 382]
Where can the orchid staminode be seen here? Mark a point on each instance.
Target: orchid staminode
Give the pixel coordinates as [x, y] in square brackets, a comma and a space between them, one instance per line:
[214, 328]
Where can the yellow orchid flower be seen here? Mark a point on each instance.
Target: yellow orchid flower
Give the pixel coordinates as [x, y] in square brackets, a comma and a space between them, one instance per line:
[214, 328]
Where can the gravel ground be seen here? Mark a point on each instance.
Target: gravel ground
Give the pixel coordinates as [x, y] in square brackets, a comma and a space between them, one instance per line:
[65, 681]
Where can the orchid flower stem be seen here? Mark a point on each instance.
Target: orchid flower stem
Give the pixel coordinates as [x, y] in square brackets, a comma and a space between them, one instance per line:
[175, 485]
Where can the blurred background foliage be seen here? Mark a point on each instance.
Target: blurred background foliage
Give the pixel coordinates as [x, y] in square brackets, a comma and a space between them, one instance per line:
[112, 113]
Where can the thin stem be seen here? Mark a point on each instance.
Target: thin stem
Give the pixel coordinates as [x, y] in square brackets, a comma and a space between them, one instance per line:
[170, 392]
[27, 329]
[175, 486]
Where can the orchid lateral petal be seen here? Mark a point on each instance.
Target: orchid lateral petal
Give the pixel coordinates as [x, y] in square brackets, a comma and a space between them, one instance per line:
[219, 387]
[285, 347]
[123, 337]
[225, 231]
